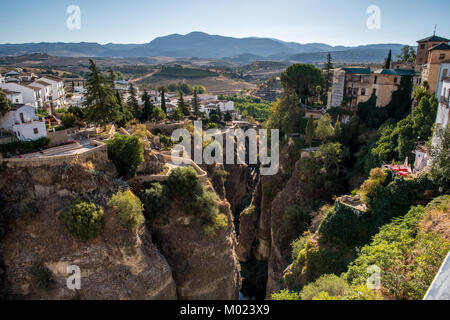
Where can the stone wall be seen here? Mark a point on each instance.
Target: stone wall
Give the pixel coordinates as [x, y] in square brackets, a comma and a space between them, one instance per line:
[97, 153]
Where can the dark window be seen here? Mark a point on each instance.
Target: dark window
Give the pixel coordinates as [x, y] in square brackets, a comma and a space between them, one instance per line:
[36, 131]
[422, 46]
[363, 91]
[375, 80]
[395, 80]
[442, 56]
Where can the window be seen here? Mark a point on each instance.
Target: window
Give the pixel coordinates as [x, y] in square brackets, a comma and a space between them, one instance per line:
[36, 131]
[395, 80]
[444, 74]
[442, 56]
[375, 80]
[422, 46]
[363, 91]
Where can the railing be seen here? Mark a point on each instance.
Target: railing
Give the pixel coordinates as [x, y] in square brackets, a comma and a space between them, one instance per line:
[445, 101]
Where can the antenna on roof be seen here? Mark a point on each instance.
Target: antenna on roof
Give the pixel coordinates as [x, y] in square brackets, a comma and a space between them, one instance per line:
[435, 26]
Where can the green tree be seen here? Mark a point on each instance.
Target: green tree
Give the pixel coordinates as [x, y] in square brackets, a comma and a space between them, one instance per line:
[182, 104]
[301, 79]
[195, 104]
[127, 154]
[133, 103]
[388, 62]
[440, 152]
[408, 54]
[148, 109]
[310, 129]
[227, 117]
[101, 103]
[329, 73]
[162, 91]
[324, 129]
[5, 105]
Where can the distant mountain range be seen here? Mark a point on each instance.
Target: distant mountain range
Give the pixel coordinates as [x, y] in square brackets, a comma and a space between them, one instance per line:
[202, 45]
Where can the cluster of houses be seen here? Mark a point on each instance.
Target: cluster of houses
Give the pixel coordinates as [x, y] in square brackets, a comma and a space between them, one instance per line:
[29, 93]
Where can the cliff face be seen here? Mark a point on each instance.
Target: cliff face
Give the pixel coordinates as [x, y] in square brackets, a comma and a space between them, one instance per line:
[119, 264]
[204, 267]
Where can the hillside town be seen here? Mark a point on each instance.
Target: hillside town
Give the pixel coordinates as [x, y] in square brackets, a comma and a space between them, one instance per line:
[95, 176]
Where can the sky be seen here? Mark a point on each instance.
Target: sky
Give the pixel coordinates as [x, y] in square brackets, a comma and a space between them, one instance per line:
[335, 22]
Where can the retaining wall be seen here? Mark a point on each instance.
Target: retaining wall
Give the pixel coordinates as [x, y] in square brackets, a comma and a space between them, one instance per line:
[95, 154]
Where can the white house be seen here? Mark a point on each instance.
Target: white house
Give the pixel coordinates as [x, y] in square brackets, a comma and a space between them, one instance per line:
[58, 92]
[46, 93]
[13, 96]
[31, 96]
[224, 106]
[23, 122]
[443, 114]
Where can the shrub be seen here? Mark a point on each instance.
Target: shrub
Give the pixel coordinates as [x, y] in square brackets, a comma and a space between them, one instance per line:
[184, 182]
[166, 141]
[129, 208]
[127, 154]
[285, 295]
[24, 146]
[84, 220]
[369, 188]
[204, 205]
[295, 220]
[42, 277]
[68, 120]
[329, 283]
[155, 201]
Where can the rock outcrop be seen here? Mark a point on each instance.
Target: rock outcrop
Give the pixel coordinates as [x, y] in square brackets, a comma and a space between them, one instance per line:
[119, 264]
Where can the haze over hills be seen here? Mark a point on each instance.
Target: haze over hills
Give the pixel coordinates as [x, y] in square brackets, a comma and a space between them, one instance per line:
[202, 45]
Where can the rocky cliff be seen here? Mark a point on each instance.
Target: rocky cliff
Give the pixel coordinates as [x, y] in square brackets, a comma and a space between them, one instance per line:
[35, 251]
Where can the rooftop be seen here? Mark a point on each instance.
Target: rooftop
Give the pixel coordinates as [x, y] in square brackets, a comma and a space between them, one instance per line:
[434, 38]
[396, 72]
[442, 46]
[357, 70]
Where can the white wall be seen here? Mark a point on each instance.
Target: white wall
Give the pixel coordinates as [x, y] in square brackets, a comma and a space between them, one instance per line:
[28, 94]
[445, 71]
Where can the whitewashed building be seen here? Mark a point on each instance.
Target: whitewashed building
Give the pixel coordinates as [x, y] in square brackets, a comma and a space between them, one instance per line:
[23, 122]
[58, 91]
[30, 95]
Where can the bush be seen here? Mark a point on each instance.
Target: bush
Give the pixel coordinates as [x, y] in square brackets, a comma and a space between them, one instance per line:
[155, 201]
[42, 277]
[166, 141]
[329, 283]
[84, 220]
[68, 120]
[129, 208]
[22, 147]
[204, 205]
[127, 154]
[285, 295]
[369, 188]
[184, 182]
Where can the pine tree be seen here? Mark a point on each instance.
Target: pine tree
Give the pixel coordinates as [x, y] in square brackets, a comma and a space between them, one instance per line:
[196, 104]
[148, 109]
[328, 68]
[163, 99]
[132, 102]
[388, 60]
[101, 102]
[182, 104]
